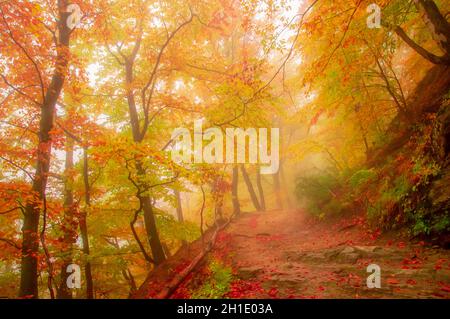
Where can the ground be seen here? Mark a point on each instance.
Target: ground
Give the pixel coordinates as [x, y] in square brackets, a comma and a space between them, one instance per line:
[285, 254]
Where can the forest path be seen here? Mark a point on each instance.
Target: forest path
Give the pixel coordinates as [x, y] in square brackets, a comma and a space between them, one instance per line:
[283, 254]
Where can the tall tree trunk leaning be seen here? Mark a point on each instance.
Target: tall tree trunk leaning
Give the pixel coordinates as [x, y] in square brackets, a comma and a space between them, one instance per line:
[262, 200]
[250, 188]
[439, 28]
[30, 240]
[83, 227]
[69, 227]
[234, 191]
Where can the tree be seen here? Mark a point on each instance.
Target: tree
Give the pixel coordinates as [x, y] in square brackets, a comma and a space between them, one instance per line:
[46, 90]
[250, 188]
[234, 191]
[260, 189]
[439, 28]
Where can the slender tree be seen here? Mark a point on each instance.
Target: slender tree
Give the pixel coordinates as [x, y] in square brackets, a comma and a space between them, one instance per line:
[30, 242]
[250, 188]
[234, 191]
[260, 189]
[69, 227]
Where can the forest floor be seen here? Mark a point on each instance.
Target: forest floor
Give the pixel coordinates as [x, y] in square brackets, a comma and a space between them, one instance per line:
[284, 254]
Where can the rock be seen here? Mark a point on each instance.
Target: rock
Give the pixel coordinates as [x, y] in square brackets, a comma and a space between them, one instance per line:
[348, 250]
[315, 256]
[369, 249]
[349, 257]
[249, 272]
[288, 266]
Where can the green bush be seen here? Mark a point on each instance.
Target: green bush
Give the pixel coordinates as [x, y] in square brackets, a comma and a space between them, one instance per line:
[217, 284]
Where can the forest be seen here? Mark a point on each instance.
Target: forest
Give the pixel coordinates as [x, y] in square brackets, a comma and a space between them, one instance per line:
[224, 149]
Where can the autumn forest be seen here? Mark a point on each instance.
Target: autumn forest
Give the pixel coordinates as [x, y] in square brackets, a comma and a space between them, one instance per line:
[214, 149]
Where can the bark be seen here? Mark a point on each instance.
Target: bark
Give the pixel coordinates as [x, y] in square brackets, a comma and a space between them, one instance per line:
[277, 189]
[436, 23]
[140, 132]
[68, 224]
[201, 214]
[30, 240]
[260, 190]
[234, 191]
[84, 230]
[145, 201]
[152, 232]
[250, 188]
[179, 208]
[438, 27]
[363, 131]
[285, 185]
[218, 198]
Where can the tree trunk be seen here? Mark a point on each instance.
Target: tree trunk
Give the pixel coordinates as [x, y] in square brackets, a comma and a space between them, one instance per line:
[234, 191]
[179, 207]
[69, 228]
[145, 201]
[285, 185]
[277, 189]
[152, 232]
[30, 240]
[260, 190]
[217, 193]
[84, 230]
[436, 23]
[250, 188]
[438, 27]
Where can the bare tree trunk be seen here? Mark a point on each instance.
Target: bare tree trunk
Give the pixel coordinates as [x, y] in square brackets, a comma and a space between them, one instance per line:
[260, 189]
[234, 191]
[84, 230]
[179, 206]
[285, 185]
[179, 210]
[30, 240]
[277, 189]
[145, 201]
[201, 214]
[251, 191]
[69, 227]
[439, 28]
[152, 232]
[217, 193]
[436, 23]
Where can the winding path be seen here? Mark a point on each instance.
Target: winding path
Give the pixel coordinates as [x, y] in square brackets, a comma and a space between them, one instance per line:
[282, 254]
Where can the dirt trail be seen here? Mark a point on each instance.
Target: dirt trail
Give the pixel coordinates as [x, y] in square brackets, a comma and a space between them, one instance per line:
[282, 254]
